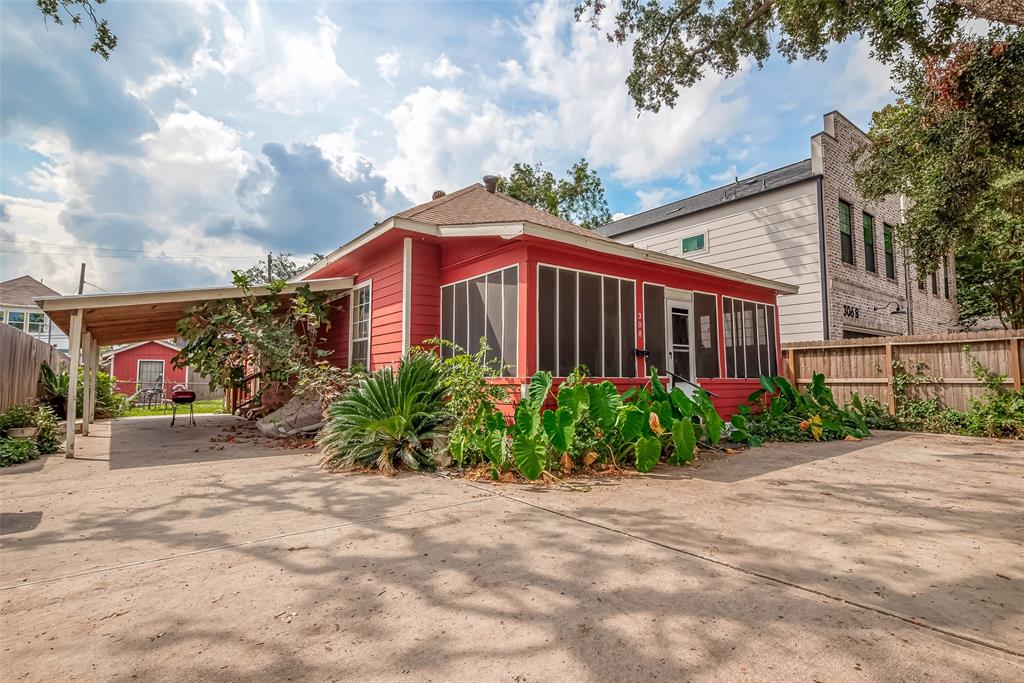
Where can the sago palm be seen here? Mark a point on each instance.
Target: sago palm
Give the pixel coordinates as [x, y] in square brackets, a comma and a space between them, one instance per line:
[388, 418]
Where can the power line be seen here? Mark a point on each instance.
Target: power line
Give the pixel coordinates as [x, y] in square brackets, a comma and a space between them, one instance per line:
[118, 249]
[131, 256]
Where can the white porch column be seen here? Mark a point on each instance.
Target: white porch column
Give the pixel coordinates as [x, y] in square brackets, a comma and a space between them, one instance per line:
[86, 380]
[95, 379]
[75, 349]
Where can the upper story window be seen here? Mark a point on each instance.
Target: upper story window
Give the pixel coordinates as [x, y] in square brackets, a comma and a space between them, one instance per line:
[935, 283]
[890, 256]
[359, 328]
[869, 243]
[945, 276]
[16, 319]
[846, 231]
[695, 243]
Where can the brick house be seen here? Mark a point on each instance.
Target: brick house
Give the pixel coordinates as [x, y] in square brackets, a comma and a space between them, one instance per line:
[806, 224]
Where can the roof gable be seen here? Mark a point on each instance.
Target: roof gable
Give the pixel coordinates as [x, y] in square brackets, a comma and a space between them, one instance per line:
[21, 290]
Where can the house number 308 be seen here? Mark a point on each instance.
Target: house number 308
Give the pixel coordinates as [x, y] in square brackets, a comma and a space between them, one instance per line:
[851, 311]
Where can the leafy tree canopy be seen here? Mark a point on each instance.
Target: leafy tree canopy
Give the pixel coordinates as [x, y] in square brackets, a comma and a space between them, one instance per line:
[578, 198]
[282, 267]
[72, 10]
[677, 42]
[954, 144]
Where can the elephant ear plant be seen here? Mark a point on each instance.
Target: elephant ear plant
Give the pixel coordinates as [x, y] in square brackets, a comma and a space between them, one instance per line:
[786, 414]
[389, 418]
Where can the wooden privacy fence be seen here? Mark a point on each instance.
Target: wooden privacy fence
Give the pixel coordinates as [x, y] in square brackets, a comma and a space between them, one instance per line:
[20, 357]
[865, 366]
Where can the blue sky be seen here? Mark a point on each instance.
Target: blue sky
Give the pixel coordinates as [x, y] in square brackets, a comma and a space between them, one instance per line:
[219, 131]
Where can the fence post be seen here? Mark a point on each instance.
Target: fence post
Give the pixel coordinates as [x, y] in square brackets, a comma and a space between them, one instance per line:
[1015, 361]
[888, 378]
[793, 374]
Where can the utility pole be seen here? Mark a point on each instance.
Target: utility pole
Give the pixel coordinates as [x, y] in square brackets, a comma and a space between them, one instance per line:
[270, 275]
[81, 280]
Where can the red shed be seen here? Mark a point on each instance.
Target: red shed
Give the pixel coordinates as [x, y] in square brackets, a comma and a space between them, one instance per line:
[146, 364]
[548, 295]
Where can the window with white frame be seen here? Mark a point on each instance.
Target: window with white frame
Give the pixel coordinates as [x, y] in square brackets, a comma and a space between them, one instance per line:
[36, 323]
[695, 244]
[484, 307]
[16, 319]
[751, 344]
[359, 328]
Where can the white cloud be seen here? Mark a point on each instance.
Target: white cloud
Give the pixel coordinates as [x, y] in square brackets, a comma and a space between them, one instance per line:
[650, 199]
[443, 68]
[388, 65]
[864, 85]
[306, 74]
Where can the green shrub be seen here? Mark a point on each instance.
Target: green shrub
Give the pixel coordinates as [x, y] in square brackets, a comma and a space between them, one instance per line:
[388, 418]
[876, 415]
[17, 451]
[785, 414]
[49, 438]
[57, 383]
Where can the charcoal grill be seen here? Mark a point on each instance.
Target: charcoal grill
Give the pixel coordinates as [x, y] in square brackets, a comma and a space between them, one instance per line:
[183, 397]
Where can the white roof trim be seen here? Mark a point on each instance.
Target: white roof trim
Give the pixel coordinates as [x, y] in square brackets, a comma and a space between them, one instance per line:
[77, 301]
[365, 238]
[114, 352]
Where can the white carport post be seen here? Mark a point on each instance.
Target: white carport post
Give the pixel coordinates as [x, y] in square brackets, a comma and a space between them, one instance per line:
[75, 348]
[95, 379]
[87, 344]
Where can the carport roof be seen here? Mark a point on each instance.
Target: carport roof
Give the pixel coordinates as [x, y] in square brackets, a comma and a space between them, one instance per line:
[149, 316]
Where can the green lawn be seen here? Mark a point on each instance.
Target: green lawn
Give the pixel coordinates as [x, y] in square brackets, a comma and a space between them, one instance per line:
[214, 405]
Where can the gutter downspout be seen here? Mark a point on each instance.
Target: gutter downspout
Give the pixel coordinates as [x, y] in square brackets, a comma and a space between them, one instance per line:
[906, 273]
[821, 260]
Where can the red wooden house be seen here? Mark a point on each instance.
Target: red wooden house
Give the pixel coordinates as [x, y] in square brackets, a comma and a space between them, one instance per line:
[146, 365]
[548, 295]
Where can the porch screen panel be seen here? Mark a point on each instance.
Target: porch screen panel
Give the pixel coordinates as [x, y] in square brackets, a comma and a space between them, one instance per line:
[494, 321]
[447, 318]
[510, 315]
[461, 316]
[484, 306]
[611, 328]
[762, 340]
[654, 327]
[627, 316]
[705, 307]
[773, 348]
[730, 348]
[477, 308]
[547, 334]
[589, 328]
[750, 338]
[566, 322]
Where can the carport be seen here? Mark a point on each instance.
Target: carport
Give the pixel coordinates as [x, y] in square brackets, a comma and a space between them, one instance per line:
[95, 320]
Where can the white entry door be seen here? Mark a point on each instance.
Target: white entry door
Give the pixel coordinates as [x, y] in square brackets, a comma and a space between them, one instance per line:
[681, 361]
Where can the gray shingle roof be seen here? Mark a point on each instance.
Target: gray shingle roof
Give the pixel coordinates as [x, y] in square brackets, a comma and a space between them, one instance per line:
[765, 182]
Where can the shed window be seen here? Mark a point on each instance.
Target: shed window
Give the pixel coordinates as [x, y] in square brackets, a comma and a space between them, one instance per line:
[16, 319]
[694, 243]
[485, 307]
[890, 256]
[359, 328]
[751, 342]
[584, 319]
[705, 310]
[846, 232]
[869, 243]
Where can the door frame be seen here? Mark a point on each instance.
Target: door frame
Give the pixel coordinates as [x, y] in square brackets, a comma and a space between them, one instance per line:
[671, 303]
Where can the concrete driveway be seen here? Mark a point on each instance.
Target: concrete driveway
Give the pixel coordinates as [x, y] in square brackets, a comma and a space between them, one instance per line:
[158, 555]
